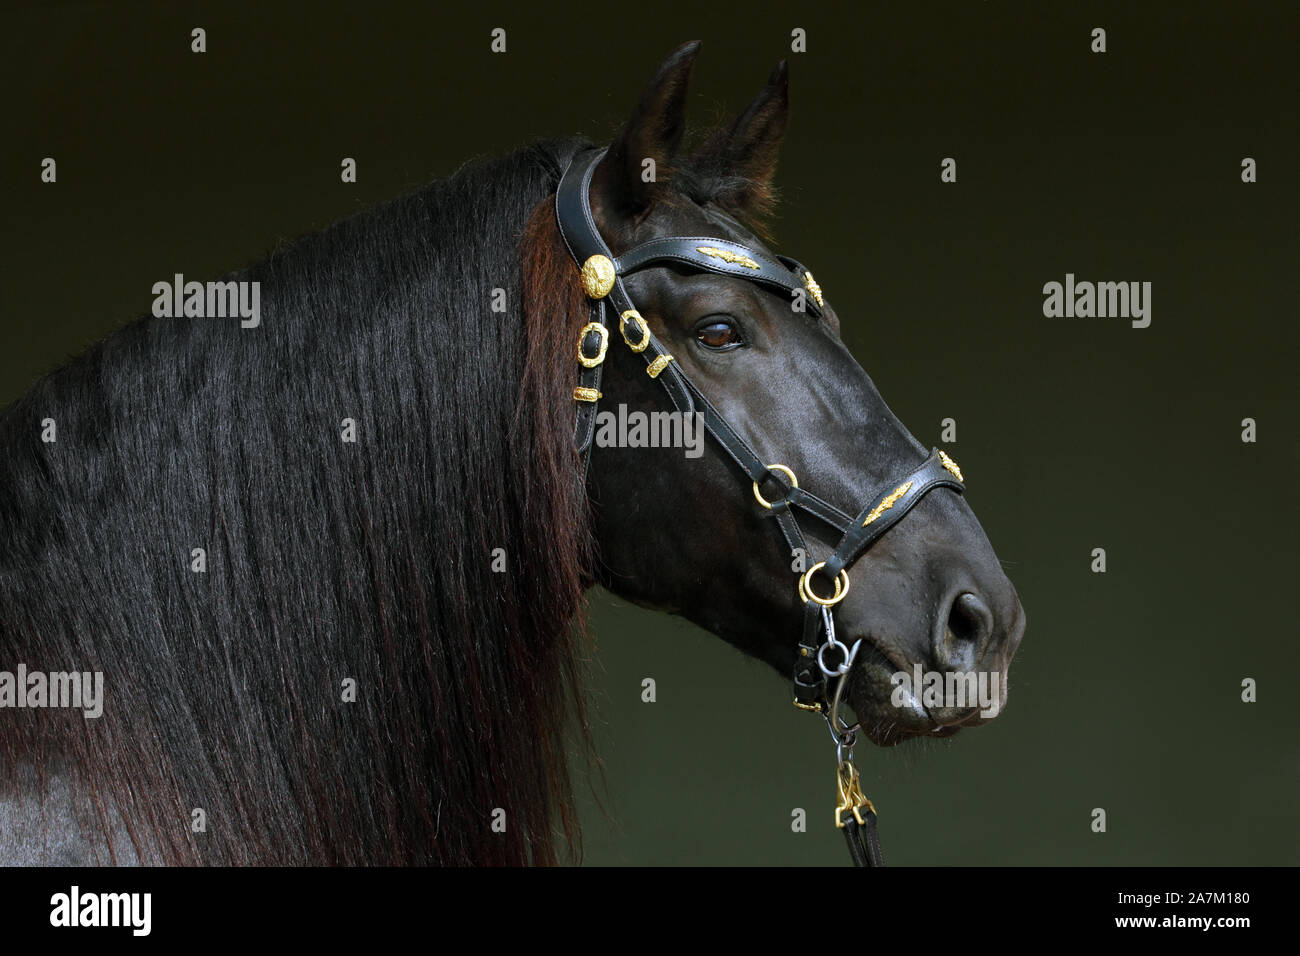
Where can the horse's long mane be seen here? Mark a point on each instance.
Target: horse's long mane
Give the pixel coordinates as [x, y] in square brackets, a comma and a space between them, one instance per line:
[327, 561]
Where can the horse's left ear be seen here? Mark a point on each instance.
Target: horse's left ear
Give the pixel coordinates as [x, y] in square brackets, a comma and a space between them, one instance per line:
[742, 158]
[624, 183]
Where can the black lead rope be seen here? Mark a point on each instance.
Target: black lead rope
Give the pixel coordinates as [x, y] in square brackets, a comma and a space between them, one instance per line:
[602, 281]
[864, 841]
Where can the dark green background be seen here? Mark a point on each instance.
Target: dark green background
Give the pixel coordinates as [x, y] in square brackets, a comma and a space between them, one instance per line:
[1074, 433]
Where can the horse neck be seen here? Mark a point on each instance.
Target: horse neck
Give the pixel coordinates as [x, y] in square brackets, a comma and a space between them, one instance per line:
[381, 481]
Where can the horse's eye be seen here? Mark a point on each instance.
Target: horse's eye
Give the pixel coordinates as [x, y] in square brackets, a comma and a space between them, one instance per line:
[718, 333]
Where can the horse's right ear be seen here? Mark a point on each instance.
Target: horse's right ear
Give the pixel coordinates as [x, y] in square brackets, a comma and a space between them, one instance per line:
[624, 183]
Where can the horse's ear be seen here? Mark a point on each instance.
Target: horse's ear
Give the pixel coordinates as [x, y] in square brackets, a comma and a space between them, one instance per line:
[623, 182]
[742, 158]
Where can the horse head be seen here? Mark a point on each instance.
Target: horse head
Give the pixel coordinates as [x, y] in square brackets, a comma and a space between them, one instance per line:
[892, 555]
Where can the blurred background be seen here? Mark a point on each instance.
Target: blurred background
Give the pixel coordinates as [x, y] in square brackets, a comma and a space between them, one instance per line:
[1073, 433]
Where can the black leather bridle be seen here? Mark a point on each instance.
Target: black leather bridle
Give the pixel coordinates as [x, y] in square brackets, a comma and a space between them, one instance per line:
[602, 280]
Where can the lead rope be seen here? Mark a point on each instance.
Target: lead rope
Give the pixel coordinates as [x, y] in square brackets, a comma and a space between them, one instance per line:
[859, 826]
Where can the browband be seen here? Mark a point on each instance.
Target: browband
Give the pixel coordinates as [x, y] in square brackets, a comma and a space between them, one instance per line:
[726, 258]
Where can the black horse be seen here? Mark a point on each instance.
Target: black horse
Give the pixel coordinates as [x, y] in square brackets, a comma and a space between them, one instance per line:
[331, 566]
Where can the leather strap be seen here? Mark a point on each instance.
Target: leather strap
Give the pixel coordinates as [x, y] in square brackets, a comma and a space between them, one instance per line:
[864, 840]
[722, 256]
[583, 240]
[888, 508]
[571, 206]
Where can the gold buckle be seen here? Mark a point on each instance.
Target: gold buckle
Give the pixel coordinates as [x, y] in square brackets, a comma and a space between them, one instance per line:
[604, 344]
[632, 315]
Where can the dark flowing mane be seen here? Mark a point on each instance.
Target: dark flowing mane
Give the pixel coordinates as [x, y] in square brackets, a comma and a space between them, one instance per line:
[326, 560]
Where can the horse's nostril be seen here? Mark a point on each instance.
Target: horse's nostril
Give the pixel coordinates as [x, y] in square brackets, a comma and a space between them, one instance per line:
[969, 619]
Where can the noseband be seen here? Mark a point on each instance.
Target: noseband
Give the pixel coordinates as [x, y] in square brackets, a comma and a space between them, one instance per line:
[823, 662]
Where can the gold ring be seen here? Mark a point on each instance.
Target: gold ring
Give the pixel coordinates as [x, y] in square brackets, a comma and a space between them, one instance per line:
[841, 586]
[604, 344]
[794, 483]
